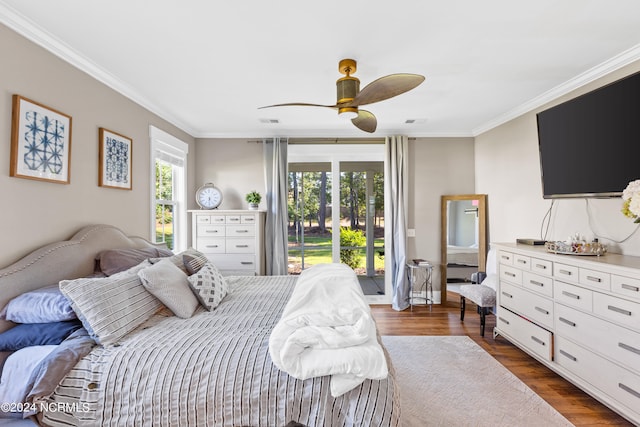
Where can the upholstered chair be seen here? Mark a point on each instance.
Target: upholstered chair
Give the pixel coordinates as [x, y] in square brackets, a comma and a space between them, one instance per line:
[482, 291]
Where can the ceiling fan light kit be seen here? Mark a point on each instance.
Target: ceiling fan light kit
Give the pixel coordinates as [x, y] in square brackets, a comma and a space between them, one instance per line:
[350, 97]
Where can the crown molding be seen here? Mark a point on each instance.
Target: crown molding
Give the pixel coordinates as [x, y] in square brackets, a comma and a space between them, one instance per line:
[42, 38]
[623, 59]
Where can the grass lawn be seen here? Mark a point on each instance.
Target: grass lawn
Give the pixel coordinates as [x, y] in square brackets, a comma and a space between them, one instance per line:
[317, 250]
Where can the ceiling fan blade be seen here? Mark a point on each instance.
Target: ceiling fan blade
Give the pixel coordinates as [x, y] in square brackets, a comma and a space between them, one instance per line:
[386, 87]
[298, 104]
[365, 121]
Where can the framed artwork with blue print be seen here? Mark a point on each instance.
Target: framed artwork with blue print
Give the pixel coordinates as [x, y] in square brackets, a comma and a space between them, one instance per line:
[116, 157]
[40, 142]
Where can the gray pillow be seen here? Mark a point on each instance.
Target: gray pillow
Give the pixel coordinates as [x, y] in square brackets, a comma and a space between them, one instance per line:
[193, 260]
[170, 285]
[113, 261]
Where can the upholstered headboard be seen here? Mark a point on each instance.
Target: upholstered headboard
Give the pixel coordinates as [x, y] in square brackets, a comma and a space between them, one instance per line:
[57, 261]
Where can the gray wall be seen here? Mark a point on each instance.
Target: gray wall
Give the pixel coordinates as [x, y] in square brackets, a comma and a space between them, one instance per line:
[34, 213]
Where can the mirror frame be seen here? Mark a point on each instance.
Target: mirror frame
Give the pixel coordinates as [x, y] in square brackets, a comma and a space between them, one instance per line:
[482, 236]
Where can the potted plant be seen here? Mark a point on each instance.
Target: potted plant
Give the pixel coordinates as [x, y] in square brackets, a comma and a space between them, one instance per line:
[253, 198]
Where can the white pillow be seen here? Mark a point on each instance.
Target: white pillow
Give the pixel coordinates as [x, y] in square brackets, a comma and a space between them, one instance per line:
[170, 285]
[209, 286]
[16, 373]
[113, 306]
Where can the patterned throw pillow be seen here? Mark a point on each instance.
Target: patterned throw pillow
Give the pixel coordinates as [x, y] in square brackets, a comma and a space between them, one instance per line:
[193, 260]
[209, 286]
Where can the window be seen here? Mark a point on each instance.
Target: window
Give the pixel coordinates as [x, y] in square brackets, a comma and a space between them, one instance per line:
[168, 180]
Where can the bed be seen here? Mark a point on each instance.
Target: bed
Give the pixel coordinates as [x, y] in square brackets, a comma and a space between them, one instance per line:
[212, 367]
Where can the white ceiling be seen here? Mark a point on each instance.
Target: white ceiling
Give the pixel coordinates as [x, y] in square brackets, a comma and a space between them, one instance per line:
[206, 66]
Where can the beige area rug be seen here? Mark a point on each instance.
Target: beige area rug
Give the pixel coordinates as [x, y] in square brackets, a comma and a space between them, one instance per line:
[452, 381]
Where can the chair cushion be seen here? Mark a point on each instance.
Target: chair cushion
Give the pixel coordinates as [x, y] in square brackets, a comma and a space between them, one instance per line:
[482, 295]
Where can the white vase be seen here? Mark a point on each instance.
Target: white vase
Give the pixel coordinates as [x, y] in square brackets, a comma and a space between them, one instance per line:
[253, 206]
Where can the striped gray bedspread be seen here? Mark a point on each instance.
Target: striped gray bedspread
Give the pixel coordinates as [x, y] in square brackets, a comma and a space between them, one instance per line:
[213, 369]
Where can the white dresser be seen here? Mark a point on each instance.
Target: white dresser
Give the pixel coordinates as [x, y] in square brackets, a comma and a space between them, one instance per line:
[578, 315]
[232, 239]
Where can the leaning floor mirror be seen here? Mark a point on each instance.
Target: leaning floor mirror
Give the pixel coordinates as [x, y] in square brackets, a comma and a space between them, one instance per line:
[463, 239]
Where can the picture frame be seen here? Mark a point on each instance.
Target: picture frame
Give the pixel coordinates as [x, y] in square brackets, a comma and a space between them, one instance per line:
[115, 160]
[40, 142]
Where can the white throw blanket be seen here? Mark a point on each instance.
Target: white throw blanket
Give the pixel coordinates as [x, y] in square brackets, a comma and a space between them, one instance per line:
[326, 328]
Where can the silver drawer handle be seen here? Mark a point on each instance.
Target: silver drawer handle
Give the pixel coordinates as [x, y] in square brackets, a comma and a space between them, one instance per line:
[564, 353]
[507, 295]
[619, 310]
[567, 272]
[541, 310]
[535, 282]
[212, 246]
[629, 348]
[594, 279]
[522, 261]
[242, 231]
[211, 231]
[505, 257]
[630, 288]
[629, 390]
[538, 340]
[542, 266]
[502, 319]
[242, 246]
[246, 262]
[509, 274]
[568, 322]
[570, 295]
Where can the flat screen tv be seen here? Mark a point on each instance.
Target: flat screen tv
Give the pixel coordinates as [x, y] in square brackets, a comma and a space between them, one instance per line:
[590, 145]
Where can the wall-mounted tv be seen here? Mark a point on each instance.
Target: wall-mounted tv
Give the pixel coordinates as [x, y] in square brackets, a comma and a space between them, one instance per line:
[590, 145]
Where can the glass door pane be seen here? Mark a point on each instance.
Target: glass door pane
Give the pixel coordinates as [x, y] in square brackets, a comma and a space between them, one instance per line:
[362, 222]
[309, 208]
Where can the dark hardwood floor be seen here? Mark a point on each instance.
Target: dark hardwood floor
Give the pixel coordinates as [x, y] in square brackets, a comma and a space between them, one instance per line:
[577, 406]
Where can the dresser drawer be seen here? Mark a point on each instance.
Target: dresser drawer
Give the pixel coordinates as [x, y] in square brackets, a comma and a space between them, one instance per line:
[535, 338]
[574, 296]
[211, 245]
[233, 262]
[594, 279]
[615, 381]
[618, 310]
[241, 246]
[203, 219]
[205, 230]
[537, 283]
[521, 261]
[566, 272]
[534, 307]
[541, 266]
[505, 258]
[218, 219]
[511, 274]
[232, 219]
[240, 230]
[626, 286]
[248, 219]
[612, 341]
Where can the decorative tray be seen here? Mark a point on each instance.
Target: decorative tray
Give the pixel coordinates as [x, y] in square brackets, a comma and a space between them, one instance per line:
[584, 249]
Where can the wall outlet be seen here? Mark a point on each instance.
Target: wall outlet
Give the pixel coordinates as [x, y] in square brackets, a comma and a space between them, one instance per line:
[411, 232]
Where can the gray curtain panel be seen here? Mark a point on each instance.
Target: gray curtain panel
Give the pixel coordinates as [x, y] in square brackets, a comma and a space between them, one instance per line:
[396, 189]
[275, 170]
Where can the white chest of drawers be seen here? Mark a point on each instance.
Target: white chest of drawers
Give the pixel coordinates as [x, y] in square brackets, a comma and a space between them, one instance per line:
[232, 239]
[578, 315]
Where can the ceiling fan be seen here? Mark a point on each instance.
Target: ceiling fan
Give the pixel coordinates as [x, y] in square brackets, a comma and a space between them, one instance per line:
[350, 97]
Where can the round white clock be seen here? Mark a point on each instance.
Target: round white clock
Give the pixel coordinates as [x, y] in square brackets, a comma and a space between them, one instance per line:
[208, 196]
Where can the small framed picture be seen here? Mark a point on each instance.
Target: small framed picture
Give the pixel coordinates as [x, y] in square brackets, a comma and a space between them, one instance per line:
[116, 159]
[40, 142]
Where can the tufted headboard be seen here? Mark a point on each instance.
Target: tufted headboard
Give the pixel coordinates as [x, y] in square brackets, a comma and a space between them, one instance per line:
[68, 259]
